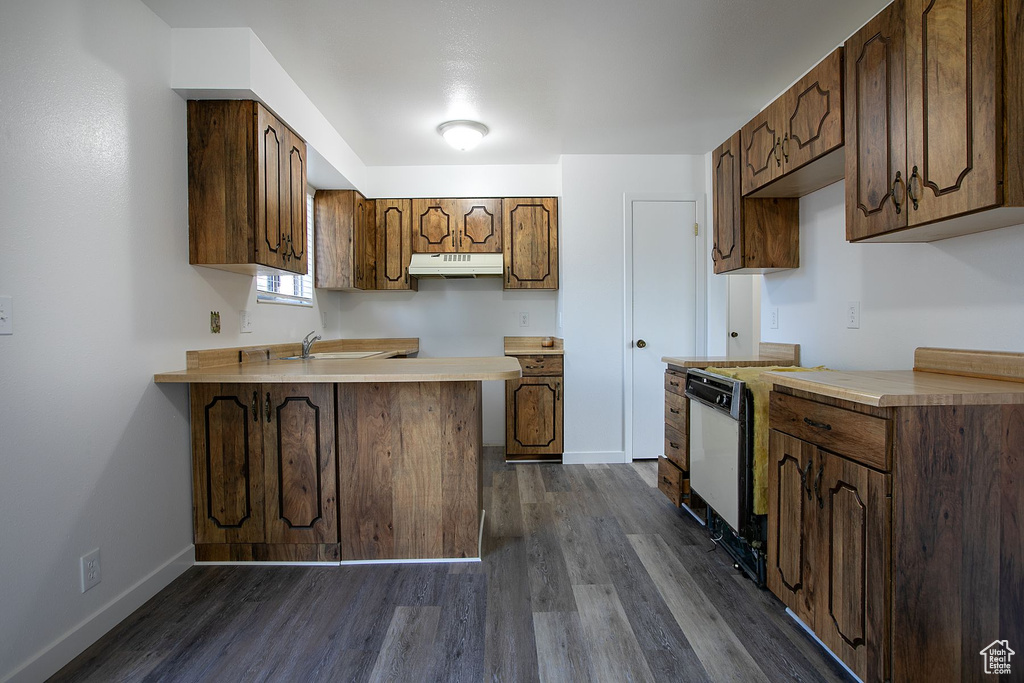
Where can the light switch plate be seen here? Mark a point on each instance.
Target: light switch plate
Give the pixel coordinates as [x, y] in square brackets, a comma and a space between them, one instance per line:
[853, 315]
[6, 315]
[245, 322]
[773, 318]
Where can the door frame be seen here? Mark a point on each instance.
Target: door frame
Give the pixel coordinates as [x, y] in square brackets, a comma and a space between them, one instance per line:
[701, 304]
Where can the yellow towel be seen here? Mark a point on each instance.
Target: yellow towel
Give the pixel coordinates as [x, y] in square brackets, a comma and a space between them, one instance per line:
[759, 388]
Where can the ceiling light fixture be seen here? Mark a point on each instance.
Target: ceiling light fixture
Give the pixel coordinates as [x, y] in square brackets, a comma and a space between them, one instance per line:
[462, 135]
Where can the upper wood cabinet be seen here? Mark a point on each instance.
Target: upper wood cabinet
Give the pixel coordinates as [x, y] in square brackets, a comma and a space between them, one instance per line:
[803, 125]
[956, 154]
[246, 188]
[750, 235]
[456, 225]
[394, 244]
[345, 228]
[531, 243]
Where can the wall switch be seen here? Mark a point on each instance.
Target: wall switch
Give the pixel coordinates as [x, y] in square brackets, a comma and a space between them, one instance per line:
[773, 318]
[6, 315]
[90, 569]
[853, 315]
[244, 322]
[524, 319]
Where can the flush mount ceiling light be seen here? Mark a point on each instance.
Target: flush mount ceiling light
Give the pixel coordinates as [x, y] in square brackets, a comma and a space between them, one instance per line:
[462, 135]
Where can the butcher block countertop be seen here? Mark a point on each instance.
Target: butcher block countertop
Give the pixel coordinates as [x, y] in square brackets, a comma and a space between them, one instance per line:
[342, 371]
[940, 377]
[767, 355]
[531, 346]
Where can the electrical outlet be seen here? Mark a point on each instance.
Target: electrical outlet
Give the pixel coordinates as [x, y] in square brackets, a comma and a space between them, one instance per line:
[773, 318]
[6, 315]
[524, 319]
[245, 322]
[214, 322]
[90, 568]
[853, 315]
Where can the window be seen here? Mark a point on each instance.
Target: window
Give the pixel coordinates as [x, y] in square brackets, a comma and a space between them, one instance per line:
[297, 290]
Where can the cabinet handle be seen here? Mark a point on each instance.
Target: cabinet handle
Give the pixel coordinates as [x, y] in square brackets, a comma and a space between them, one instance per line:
[895, 198]
[805, 478]
[673, 444]
[775, 151]
[267, 407]
[673, 384]
[785, 154]
[818, 425]
[255, 406]
[407, 275]
[817, 486]
[714, 252]
[558, 391]
[674, 411]
[910, 187]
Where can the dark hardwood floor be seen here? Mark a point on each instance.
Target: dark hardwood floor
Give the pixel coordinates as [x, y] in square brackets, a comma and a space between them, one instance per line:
[589, 574]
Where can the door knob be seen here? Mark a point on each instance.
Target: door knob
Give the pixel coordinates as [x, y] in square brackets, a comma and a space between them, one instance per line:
[640, 343]
[734, 335]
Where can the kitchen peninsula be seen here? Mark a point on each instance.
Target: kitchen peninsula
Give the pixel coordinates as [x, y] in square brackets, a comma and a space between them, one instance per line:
[336, 459]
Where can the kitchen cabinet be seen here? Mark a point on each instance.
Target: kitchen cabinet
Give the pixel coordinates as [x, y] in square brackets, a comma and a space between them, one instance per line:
[264, 467]
[345, 228]
[750, 235]
[934, 99]
[674, 466]
[533, 404]
[829, 526]
[788, 148]
[394, 244]
[456, 225]
[530, 239]
[246, 188]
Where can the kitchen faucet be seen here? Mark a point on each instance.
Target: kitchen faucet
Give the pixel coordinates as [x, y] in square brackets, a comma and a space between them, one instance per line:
[307, 343]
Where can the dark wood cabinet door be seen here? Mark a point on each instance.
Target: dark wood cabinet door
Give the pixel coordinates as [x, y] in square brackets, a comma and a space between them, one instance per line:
[954, 107]
[301, 463]
[792, 517]
[227, 463]
[479, 225]
[813, 114]
[531, 243]
[394, 244]
[876, 126]
[853, 504]
[295, 190]
[335, 226]
[435, 226]
[727, 248]
[533, 416]
[762, 162]
[365, 242]
[272, 201]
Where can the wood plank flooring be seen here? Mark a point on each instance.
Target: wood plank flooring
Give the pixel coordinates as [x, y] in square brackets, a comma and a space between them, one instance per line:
[589, 574]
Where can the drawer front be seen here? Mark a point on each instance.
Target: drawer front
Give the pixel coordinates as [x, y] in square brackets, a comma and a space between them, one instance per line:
[541, 366]
[675, 382]
[677, 448]
[862, 438]
[676, 412]
[672, 482]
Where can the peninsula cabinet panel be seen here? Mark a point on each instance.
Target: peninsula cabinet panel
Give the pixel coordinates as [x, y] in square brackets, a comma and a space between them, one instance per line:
[247, 188]
[345, 240]
[534, 416]
[530, 228]
[394, 244]
[227, 463]
[300, 474]
[456, 225]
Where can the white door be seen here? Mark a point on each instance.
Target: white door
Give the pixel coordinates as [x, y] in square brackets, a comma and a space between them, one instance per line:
[742, 308]
[664, 302]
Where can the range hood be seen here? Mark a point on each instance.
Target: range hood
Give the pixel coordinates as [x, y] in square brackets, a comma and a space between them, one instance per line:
[455, 266]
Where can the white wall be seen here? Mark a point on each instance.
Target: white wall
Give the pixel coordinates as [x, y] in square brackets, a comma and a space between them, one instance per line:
[591, 291]
[93, 453]
[966, 292]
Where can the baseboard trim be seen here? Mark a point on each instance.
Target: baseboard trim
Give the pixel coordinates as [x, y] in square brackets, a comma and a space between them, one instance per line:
[594, 458]
[833, 655]
[74, 642]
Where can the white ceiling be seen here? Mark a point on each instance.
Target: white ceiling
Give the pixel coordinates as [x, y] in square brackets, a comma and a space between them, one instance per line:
[548, 78]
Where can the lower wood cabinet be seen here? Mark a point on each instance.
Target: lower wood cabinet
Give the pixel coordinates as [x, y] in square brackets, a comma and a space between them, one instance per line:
[533, 410]
[674, 466]
[264, 465]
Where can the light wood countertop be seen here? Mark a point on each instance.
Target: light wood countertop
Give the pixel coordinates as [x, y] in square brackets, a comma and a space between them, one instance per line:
[530, 346]
[343, 371]
[768, 354]
[902, 387]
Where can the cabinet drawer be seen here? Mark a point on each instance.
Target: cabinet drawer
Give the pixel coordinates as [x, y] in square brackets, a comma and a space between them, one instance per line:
[541, 366]
[676, 412]
[863, 438]
[675, 382]
[672, 482]
[677, 447]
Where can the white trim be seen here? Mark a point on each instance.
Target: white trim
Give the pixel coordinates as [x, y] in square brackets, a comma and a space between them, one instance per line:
[259, 563]
[824, 647]
[594, 458]
[700, 293]
[436, 560]
[74, 642]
